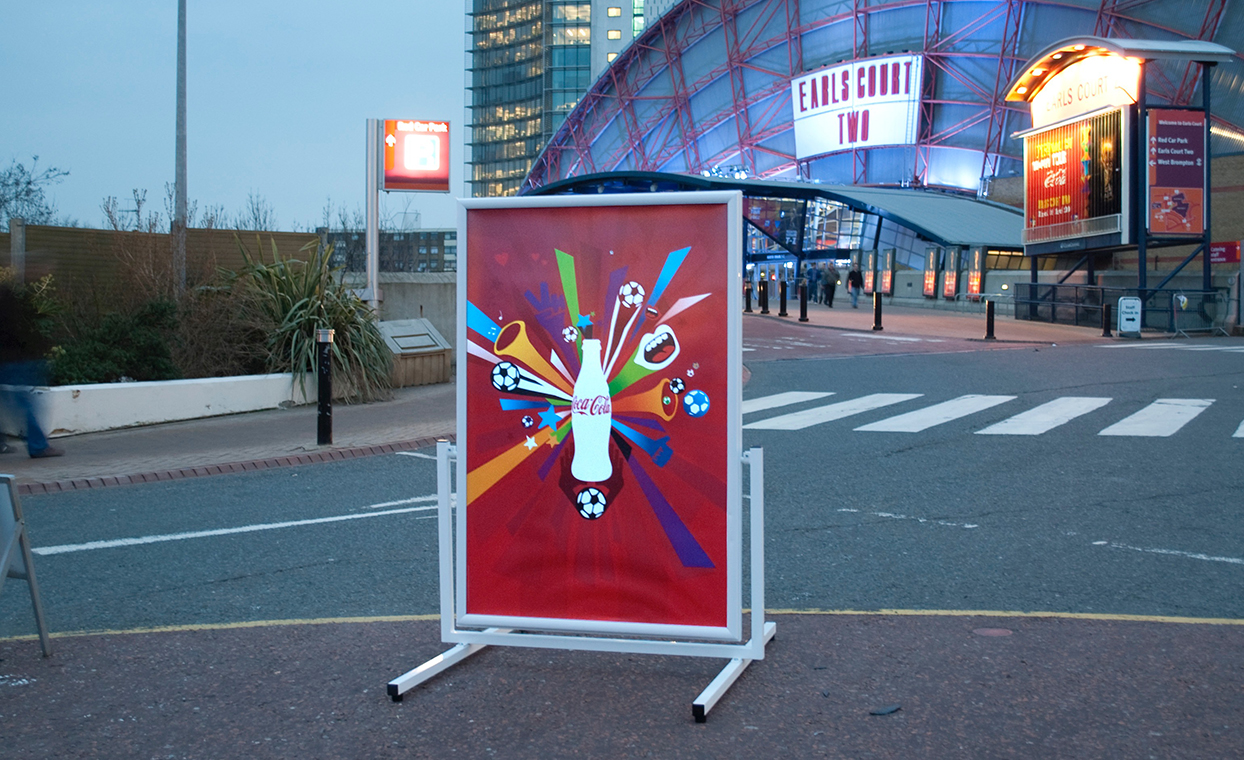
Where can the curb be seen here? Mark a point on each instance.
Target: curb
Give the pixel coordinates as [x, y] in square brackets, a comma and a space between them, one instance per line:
[333, 455]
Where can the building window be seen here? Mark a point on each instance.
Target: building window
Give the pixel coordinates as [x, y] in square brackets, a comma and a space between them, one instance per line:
[614, 34]
[613, 12]
[610, 56]
[637, 25]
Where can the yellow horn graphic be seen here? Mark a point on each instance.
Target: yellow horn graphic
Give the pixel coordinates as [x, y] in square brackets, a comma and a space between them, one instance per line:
[659, 401]
[512, 341]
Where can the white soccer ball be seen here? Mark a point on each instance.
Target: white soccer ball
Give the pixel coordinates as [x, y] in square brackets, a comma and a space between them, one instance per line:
[505, 377]
[591, 503]
[528, 421]
[696, 403]
[570, 334]
[632, 295]
[677, 385]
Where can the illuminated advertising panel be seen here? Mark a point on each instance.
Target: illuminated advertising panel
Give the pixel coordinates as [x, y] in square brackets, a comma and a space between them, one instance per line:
[887, 272]
[1176, 157]
[950, 283]
[1092, 84]
[870, 272]
[931, 261]
[976, 271]
[857, 104]
[1073, 174]
[416, 155]
[599, 422]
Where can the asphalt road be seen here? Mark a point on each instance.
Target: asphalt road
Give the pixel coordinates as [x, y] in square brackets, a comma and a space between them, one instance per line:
[944, 518]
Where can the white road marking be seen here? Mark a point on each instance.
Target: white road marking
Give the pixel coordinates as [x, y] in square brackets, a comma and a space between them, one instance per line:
[400, 502]
[892, 516]
[923, 419]
[1046, 417]
[91, 545]
[416, 454]
[898, 338]
[1172, 552]
[1239, 432]
[1162, 418]
[820, 414]
[780, 399]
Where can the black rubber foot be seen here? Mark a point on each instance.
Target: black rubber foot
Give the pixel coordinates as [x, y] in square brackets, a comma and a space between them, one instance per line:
[393, 693]
[698, 712]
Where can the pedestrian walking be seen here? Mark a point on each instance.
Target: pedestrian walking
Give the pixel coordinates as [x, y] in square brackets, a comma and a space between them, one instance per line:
[855, 284]
[831, 284]
[23, 349]
[814, 282]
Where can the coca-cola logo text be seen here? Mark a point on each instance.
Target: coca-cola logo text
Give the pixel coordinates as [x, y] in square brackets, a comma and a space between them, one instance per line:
[591, 406]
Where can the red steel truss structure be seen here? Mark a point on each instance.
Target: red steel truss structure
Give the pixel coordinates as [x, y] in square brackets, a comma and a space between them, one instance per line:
[706, 88]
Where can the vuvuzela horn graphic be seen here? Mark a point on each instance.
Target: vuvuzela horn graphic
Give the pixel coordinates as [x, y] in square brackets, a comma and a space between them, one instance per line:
[512, 341]
[659, 401]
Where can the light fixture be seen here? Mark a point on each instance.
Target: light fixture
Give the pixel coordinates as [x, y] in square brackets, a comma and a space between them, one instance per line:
[1005, 286]
[1021, 90]
[1036, 72]
[1057, 56]
[1078, 47]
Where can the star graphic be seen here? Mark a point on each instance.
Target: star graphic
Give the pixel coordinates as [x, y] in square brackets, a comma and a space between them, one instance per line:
[530, 443]
[585, 320]
[549, 417]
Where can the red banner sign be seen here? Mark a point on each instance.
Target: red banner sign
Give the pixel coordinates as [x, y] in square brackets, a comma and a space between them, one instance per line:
[1224, 253]
[1176, 156]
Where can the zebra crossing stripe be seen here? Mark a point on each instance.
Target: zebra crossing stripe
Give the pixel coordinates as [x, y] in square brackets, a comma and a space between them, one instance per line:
[820, 414]
[923, 419]
[1162, 418]
[780, 399]
[1046, 417]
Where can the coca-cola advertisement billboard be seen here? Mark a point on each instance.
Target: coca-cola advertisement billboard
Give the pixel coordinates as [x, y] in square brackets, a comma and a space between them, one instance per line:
[599, 429]
[1073, 172]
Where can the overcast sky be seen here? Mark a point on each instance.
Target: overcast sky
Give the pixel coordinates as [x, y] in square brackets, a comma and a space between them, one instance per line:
[277, 98]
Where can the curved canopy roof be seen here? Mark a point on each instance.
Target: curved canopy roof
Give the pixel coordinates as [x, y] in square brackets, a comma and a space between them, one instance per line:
[943, 218]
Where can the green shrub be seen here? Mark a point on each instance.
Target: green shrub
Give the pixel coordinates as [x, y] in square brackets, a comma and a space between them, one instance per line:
[290, 299]
[133, 346]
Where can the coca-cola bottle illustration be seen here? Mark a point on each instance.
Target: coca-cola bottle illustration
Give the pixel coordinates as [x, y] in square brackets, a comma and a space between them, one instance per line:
[591, 414]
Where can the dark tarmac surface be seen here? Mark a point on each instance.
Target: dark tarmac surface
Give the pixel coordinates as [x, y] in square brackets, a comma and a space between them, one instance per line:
[1049, 688]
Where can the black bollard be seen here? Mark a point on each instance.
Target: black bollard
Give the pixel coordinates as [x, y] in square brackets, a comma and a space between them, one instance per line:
[989, 321]
[747, 297]
[1105, 321]
[782, 299]
[764, 296]
[877, 311]
[803, 302]
[324, 379]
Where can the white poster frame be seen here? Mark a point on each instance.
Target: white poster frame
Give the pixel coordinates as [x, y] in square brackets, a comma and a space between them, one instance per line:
[16, 560]
[470, 632]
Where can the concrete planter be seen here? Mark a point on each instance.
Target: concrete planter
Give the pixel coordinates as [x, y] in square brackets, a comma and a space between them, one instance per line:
[72, 409]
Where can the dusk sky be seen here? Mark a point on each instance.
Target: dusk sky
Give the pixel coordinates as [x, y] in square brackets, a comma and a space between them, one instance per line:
[277, 98]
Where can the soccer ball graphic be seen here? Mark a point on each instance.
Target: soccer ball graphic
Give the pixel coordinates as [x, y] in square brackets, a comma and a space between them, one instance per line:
[570, 335]
[677, 385]
[632, 294]
[505, 377]
[528, 421]
[696, 403]
[591, 503]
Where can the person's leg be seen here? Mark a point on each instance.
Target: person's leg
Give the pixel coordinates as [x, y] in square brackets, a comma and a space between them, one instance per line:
[24, 376]
[830, 297]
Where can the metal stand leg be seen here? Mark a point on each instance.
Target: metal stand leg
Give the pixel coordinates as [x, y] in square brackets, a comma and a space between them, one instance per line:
[407, 681]
[724, 680]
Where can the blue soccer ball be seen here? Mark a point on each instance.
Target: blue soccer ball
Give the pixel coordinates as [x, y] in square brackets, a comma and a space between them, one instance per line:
[696, 403]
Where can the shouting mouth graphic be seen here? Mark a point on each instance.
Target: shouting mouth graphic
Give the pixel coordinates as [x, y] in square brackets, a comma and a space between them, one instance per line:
[657, 349]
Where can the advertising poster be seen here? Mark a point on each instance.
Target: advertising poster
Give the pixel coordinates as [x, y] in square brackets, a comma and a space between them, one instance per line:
[1176, 172]
[1073, 172]
[416, 155]
[932, 258]
[599, 416]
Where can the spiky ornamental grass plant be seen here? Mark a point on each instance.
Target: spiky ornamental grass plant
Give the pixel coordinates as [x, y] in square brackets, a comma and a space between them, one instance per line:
[290, 299]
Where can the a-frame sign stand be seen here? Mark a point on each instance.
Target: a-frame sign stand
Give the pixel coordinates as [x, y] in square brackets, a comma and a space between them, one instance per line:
[15, 558]
[468, 642]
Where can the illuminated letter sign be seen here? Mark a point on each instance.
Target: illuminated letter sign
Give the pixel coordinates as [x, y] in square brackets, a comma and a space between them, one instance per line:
[858, 104]
[1094, 83]
[416, 155]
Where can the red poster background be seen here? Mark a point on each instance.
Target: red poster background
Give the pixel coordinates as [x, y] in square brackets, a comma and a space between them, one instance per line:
[658, 555]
